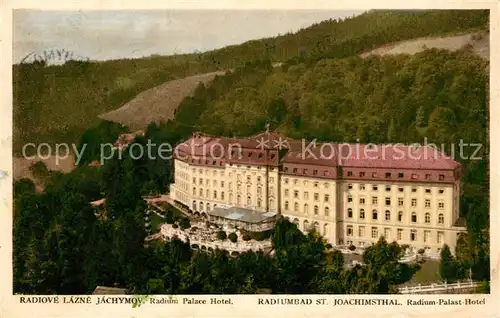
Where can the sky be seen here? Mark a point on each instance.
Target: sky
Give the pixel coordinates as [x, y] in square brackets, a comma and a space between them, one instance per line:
[103, 35]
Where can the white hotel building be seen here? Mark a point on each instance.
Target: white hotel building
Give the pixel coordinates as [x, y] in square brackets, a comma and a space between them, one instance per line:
[350, 194]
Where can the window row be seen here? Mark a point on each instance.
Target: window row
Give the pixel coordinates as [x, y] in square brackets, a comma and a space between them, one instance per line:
[207, 172]
[387, 216]
[315, 172]
[206, 194]
[305, 183]
[206, 182]
[326, 197]
[388, 188]
[401, 202]
[326, 210]
[400, 175]
[400, 234]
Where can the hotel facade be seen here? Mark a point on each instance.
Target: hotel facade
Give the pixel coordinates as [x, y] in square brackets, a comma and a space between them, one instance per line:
[349, 193]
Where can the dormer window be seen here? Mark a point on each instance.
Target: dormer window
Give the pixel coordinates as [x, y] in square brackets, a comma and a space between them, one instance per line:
[427, 177]
[441, 177]
[401, 175]
[387, 174]
[294, 170]
[349, 173]
[315, 172]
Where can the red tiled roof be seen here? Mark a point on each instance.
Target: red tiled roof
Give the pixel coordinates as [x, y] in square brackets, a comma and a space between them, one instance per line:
[253, 150]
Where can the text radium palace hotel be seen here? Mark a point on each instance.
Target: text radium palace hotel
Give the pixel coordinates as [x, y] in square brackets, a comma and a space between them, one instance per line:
[350, 194]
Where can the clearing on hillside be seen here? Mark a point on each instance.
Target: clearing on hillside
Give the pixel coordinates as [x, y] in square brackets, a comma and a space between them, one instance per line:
[478, 42]
[158, 103]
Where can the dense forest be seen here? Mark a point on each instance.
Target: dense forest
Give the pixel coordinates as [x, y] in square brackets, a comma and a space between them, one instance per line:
[323, 90]
[51, 96]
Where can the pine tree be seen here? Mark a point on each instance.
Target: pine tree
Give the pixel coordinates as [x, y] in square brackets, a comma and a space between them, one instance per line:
[447, 267]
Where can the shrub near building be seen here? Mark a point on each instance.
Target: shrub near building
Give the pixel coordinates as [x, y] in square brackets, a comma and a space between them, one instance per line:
[233, 237]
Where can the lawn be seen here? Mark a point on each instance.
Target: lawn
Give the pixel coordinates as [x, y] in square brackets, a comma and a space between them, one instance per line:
[155, 222]
[428, 274]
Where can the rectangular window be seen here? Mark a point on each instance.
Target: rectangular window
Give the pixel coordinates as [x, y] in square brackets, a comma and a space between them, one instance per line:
[400, 234]
[361, 200]
[413, 190]
[400, 202]
[295, 193]
[316, 197]
[413, 202]
[327, 198]
[388, 188]
[374, 200]
[194, 180]
[349, 198]
[427, 190]
[362, 214]
[306, 195]
[375, 187]
[440, 237]
[400, 189]
[427, 235]
[427, 203]
[413, 235]
[441, 204]
[441, 191]
[362, 187]
[387, 201]
[374, 232]
[286, 192]
[349, 186]
[387, 234]
[349, 230]
[361, 231]
[222, 184]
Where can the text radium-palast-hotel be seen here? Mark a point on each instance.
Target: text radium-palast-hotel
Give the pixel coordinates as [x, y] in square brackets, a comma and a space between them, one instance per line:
[350, 194]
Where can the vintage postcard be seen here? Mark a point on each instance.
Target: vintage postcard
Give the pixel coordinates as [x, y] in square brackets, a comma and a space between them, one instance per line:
[256, 159]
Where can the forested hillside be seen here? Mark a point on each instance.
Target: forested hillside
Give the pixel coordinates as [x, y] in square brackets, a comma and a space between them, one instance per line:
[57, 103]
[324, 90]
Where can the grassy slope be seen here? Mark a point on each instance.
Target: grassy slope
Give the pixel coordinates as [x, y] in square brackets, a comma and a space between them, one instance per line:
[57, 103]
[158, 103]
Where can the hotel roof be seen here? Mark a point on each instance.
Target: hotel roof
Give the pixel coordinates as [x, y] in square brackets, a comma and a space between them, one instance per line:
[283, 150]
